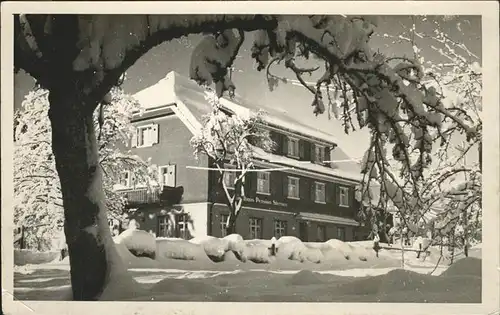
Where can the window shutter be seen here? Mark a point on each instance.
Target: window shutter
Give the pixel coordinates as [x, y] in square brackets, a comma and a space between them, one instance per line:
[250, 184]
[155, 133]
[133, 143]
[277, 142]
[337, 194]
[301, 149]
[313, 152]
[303, 186]
[313, 191]
[284, 145]
[329, 192]
[171, 176]
[307, 151]
[285, 185]
[327, 155]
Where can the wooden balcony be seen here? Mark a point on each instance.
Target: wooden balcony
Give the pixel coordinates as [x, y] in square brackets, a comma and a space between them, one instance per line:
[140, 196]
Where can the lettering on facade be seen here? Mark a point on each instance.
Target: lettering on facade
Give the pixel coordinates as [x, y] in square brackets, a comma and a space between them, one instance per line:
[265, 202]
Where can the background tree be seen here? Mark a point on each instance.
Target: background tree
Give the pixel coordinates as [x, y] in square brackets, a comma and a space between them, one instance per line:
[452, 184]
[229, 141]
[37, 190]
[79, 58]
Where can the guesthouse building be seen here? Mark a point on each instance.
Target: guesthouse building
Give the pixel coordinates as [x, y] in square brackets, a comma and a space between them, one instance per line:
[304, 195]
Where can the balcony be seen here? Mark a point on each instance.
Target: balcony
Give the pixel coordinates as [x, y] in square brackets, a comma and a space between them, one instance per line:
[140, 196]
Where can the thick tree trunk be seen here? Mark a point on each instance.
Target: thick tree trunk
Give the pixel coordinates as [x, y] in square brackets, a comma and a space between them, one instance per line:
[90, 246]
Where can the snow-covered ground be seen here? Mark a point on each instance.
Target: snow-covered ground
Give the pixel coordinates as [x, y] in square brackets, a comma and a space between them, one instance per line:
[331, 271]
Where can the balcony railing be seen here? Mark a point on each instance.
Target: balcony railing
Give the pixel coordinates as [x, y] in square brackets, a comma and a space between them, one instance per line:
[140, 196]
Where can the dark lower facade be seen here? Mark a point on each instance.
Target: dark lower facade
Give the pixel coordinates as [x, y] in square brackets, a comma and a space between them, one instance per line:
[190, 220]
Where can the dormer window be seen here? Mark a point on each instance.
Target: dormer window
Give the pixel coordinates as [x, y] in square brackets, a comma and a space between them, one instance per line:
[293, 147]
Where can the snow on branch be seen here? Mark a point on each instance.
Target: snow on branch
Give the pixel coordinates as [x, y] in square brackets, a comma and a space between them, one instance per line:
[37, 190]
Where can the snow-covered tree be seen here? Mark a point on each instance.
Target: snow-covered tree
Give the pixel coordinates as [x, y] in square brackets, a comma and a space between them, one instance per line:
[451, 184]
[230, 141]
[79, 58]
[38, 204]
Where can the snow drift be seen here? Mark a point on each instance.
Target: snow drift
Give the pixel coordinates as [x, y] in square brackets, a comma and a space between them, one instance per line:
[31, 257]
[138, 242]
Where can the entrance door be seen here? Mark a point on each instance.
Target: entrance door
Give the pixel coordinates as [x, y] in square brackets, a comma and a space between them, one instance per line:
[303, 235]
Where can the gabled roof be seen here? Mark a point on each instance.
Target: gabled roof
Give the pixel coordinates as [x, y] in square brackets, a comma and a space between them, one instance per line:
[191, 105]
[177, 88]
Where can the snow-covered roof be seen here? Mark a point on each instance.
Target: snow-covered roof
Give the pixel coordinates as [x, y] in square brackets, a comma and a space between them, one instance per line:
[336, 171]
[191, 106]
[176, 88]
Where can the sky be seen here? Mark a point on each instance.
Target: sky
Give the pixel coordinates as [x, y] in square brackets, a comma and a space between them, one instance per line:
[294, 100]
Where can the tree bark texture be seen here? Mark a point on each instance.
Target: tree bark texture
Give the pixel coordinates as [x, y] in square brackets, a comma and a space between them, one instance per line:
[90, 245]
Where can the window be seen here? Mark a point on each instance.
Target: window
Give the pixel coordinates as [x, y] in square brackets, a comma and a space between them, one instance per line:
[168, 175]
[183, 226]
[321, 233]
[163, 226]
[279, 228]
[146, 136]
[293, 147]
[319, 154]
[319, 192]
[341, 233]
[229, 179]
[293, 188]
[255, 225]
[223, 224]
[263, 182]
[344, 196]
[126, 179]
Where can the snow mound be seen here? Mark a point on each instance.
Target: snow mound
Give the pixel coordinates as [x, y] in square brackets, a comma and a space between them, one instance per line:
[306, 277]
[331, 254]
[466, 266]
[180, 249]
[214, 247]
[229, 256]
[344, 248]
[363, 253]
[421, 242]
[266, 243]
[296, 250]
[257, 252]
[32, 257]
[132, 261]
[138, 242]
[231, 238]
[287, 239]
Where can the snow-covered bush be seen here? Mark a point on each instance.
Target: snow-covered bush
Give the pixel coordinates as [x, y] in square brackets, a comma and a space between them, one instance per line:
[257, 252]
[331, 254]
[132, 261]
[343, 247]
[180, 249]
[233, 238]
[32, 257]
[214, 247]
[140, 243]
[293, 248]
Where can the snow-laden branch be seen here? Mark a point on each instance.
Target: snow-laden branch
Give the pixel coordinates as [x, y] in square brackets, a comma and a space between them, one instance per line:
[37, 189]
